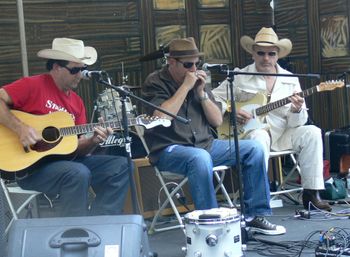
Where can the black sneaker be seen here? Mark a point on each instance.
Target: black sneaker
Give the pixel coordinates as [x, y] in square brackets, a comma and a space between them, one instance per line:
[263, 226]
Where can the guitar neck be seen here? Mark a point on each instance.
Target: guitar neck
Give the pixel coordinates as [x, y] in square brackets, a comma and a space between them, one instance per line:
[87, 128]
[279, 103]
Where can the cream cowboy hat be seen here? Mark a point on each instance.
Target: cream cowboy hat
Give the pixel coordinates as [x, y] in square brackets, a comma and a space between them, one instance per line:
[184, 47]
[70, 50]
[267, 37]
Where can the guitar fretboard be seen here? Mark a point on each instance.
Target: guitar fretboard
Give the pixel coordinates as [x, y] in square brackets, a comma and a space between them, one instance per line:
[274, 105]
[86, 128]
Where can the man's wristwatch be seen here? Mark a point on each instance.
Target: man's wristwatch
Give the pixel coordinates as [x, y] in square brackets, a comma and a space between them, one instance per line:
[204, 97]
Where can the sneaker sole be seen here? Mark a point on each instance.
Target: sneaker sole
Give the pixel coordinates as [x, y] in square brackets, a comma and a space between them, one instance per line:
[267, 232]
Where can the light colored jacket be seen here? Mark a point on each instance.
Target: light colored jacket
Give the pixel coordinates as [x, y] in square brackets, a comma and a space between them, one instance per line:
[279, 119]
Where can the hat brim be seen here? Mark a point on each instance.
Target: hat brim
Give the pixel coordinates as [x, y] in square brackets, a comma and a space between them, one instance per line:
[89, 58]
[284, 45]
[184, 56]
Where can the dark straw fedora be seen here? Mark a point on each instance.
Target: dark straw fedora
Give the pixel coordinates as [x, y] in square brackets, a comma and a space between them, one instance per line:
[183, 47]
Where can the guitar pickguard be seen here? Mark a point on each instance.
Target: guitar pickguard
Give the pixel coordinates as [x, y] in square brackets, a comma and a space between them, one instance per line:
[252, 124]
[43, 146]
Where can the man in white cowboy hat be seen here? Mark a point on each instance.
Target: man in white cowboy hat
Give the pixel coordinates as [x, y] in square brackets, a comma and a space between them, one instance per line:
[286, 125]
[51, 92]
[190, 149]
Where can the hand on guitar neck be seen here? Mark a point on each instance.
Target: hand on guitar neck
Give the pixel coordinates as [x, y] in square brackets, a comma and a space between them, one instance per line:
[296, 102]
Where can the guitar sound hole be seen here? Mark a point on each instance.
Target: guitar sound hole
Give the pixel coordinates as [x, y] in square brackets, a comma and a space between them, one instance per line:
[51, 134]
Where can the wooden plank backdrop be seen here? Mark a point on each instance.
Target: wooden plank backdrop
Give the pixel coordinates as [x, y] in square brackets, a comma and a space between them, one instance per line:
[112, 27]
[123, 31]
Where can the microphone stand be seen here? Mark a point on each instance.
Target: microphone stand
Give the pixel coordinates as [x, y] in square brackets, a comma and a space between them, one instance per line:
[230, 78]
[124, 93]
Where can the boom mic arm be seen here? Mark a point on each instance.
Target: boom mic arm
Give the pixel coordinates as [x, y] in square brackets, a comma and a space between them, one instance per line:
[160, 53]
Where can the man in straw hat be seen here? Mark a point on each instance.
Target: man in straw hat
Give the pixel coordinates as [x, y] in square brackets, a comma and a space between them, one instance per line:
[286, 125]
[51, 92]
[190, 149]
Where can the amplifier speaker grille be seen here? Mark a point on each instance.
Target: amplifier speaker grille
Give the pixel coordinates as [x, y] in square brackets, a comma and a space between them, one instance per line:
[148, 190]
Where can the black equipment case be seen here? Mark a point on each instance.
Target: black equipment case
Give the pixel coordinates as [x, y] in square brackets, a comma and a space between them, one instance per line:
[98, 236]
[337, 145]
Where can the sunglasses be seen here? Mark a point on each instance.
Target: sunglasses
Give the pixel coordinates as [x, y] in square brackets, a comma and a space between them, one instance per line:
[188, 65]
[262, 53]
[75, 70]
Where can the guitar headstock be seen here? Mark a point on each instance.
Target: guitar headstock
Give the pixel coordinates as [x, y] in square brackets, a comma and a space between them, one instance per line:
[330, 85]
[152, 121]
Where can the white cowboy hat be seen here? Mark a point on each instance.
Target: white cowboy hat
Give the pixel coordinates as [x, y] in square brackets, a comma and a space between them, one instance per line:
[69, 49]
[267, 37]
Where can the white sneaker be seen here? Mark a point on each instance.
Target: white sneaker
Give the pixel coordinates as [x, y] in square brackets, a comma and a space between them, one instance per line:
[263, 226]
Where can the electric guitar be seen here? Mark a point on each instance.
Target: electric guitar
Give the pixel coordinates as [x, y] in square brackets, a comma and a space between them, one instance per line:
[59, 137]
[258, 108]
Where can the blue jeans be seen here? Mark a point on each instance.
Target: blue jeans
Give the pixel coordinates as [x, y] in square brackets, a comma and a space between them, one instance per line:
[197, 164]
[107, 175]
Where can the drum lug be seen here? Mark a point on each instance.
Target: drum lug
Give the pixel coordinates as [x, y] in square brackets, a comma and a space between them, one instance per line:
[211, 240]
[197, 254]
[228, 254]
[227, 227]
[196, 228]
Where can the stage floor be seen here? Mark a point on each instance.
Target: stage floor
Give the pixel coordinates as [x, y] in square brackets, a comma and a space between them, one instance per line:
[302, 234]
[301, 239]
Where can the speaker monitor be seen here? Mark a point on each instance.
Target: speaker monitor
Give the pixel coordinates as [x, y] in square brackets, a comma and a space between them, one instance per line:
[123, 235]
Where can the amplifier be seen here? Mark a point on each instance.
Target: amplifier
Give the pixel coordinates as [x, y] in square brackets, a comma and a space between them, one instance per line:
[150, 194]
[337, 144]
[123, 235]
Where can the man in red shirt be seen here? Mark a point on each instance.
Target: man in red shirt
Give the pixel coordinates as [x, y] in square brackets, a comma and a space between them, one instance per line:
[51, 92]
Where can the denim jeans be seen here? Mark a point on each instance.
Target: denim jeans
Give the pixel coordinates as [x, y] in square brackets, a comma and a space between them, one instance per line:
[107, 175]
[197, 164]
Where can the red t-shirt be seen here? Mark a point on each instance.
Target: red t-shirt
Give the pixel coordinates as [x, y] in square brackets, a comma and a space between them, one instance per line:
[40, 95]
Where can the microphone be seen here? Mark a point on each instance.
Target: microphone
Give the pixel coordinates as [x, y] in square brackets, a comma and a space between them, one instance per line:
[95, 74]
[156, 54]
[214, 66]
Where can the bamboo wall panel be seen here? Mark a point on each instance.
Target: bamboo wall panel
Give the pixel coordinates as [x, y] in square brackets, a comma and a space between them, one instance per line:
[10, 66]
[166, 18]
[335, 59]
[299, 38]
[112, 27]
[168, 4]
[123, 31]
[216, 16]
[213, 3]
[215, 43]
[335, 36]
[331, 7]
[257, 14]
[291, 17]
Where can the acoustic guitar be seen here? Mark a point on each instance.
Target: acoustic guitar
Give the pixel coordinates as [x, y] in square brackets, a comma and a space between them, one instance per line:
[258, 108]
[59, 137]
